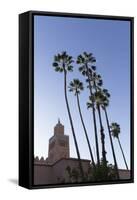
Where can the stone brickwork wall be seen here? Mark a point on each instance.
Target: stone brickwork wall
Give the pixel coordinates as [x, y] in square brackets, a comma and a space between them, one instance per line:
[53, 169]
[56, 173]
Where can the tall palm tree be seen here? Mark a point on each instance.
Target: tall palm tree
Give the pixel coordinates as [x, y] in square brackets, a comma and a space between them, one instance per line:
[63, 64]
[97, 98]
[96, 82]
[87, 67]
[76, 86]
[115, 129]
[104, 104]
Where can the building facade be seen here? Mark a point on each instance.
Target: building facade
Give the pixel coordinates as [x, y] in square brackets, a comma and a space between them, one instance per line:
[55, 168]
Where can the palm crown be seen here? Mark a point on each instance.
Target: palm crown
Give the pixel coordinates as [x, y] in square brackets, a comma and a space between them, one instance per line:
[105, 98]
[63, 62]
[85, 60]
[90, 103]
[76, 86]
[115, 129]
[99, 98]
[95, 80]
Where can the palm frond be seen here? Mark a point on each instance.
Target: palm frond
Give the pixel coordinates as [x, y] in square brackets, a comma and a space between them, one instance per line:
[70, 68]
[93, 67]
[83, 73]
[100, 83]
[55, 64]
[61, 69]
[89, 105]
[70, 90]
[57, 69]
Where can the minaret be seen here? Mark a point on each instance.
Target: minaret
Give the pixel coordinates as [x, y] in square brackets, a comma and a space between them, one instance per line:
[59, 129]
[58, 144]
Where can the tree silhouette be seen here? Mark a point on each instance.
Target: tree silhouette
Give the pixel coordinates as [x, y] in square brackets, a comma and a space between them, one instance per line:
[76, 86]
[96, 82]
[115, 129]
[104, 104]
[98, 100]
[86, 62]
[63, 64]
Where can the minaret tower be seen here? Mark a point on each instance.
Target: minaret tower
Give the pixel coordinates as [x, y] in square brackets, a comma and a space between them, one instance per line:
[58, 144]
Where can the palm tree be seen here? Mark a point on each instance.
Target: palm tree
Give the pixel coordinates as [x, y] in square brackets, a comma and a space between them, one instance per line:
[96, 82]
[115, 129]
[97, 98]
[63, 64]
[87, 67]
[76, 86]
[104, 104]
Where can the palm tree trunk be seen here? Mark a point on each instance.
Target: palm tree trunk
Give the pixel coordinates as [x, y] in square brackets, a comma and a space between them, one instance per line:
[94, 120]
[111, 142]
[82, 121]
[72, 127]
[123, 153]
[101, 132]
[102, 136]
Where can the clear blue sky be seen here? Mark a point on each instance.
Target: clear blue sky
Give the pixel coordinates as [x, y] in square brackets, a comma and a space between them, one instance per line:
[109, 41]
